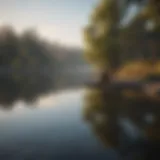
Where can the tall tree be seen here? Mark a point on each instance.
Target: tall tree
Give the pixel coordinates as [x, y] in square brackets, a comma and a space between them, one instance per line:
[8, 45]
[101, 36]
[109, 44]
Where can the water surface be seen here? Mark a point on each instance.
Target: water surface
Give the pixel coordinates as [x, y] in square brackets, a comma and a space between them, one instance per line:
[53, 128]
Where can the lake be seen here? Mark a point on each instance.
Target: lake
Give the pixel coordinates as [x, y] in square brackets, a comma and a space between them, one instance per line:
[52, 128]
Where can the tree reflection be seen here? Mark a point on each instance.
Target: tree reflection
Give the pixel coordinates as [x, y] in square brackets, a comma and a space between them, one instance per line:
[102, 119]
[131, 126]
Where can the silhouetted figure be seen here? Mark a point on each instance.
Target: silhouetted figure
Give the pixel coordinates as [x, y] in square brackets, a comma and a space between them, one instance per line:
[105, 79]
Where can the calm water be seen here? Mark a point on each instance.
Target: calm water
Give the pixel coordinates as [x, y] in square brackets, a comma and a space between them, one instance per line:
[53, 128]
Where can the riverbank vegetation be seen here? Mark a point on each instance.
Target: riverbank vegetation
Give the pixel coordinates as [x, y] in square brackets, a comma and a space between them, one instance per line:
[126, 48]
[113, 41]
[31, 66]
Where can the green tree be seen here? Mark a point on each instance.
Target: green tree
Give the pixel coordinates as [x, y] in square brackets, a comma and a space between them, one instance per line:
[8, 46]
[26, 66]
[101, 35]
[108, 44]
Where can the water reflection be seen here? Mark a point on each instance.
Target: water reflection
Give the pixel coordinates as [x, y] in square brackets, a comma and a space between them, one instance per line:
[130, 126]
[53, 131]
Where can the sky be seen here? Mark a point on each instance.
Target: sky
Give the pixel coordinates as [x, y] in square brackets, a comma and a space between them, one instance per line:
[56, 20]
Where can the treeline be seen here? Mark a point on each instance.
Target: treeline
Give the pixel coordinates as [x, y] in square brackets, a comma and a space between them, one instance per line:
[29, 65]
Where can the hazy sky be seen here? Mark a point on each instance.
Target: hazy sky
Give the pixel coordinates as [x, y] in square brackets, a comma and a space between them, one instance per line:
[59, 20]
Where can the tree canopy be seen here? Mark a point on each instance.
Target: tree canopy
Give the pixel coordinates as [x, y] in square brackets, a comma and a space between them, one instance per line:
[101, 35]
[109, 45]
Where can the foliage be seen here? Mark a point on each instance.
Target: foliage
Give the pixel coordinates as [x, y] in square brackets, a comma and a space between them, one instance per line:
[107, 45]
[26, 66]
[101, 35]
[31, 66]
